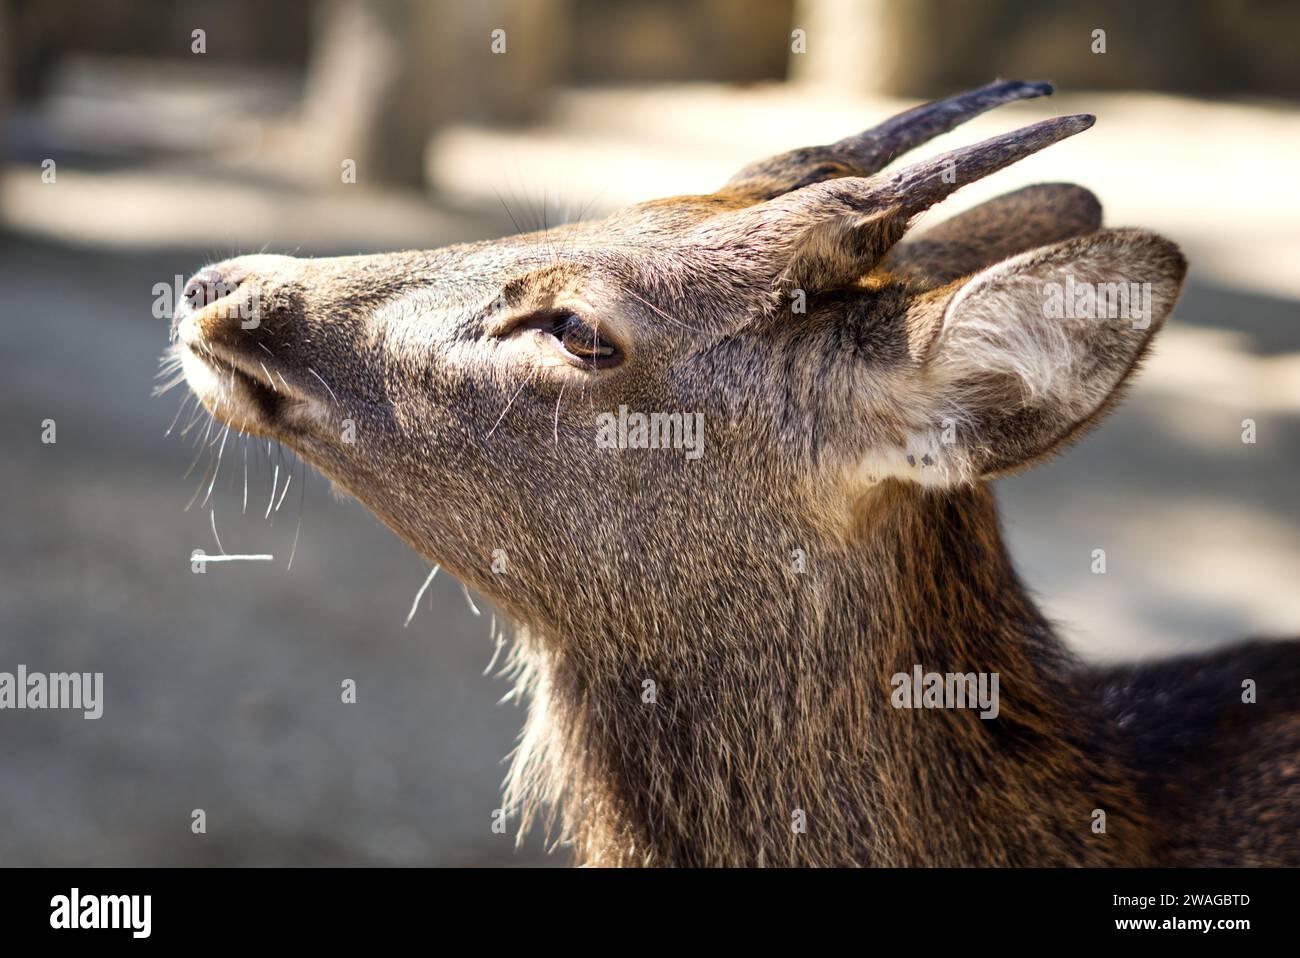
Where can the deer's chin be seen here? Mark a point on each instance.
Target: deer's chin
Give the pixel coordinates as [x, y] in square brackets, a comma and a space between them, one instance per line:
[244, 400]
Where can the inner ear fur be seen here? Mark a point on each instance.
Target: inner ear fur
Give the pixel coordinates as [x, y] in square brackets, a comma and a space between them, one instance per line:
[1022, 371]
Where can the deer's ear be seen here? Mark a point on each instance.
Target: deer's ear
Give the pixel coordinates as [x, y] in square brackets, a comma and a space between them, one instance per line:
[1028, 353]
[1004, 226]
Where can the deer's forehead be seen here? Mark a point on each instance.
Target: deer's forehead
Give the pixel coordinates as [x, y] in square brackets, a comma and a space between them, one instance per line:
[649, 282]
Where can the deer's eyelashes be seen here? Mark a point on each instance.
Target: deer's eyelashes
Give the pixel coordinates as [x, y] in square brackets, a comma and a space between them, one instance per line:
[577, 340]
[584, 342]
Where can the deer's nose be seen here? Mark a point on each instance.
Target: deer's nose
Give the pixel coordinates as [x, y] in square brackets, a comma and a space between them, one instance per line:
[210, 312]
[209, 285]
[240, 306]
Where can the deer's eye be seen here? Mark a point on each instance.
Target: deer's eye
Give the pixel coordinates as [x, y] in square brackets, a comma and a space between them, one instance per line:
[583, 342]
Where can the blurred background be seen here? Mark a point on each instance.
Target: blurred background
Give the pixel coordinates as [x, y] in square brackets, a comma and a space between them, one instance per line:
[140, 140]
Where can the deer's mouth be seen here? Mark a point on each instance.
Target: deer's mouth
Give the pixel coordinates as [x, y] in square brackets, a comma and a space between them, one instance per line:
[246, 394]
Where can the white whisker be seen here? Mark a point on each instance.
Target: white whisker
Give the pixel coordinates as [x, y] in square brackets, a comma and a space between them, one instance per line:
[302, 499]
[294, 550]
[510, 403]
[213, 515]
[420, 595]
[325, 384]
[202, 481]
[176, 418]
[498, 639]
[284, 492]
[275, 480]
[225, 433]
[472, 607]
[555, 429]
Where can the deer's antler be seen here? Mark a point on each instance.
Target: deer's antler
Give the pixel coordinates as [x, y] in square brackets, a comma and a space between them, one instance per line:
[830, 233]
[871, 151]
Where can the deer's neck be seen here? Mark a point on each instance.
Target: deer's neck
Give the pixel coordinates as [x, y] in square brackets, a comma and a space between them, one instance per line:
[767, 732]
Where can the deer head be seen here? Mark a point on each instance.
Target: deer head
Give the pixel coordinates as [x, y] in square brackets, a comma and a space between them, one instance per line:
[462, 394]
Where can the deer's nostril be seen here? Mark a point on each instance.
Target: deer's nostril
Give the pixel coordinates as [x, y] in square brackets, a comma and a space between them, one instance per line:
[207, 286]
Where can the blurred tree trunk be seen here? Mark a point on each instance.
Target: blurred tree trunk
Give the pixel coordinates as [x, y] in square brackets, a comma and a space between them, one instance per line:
[850, 44]
[6, 61]
[732, 41]
[383, 74]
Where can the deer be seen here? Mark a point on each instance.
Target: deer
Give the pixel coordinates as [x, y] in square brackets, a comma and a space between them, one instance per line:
[713, 647]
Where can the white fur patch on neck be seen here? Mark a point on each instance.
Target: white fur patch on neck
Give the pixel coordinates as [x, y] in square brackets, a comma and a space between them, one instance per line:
[926, 459]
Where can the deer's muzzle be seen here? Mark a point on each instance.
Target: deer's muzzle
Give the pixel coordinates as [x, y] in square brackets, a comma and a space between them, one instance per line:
[222, 330]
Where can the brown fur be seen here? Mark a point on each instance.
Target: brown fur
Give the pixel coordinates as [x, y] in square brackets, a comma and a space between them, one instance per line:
[771, 678]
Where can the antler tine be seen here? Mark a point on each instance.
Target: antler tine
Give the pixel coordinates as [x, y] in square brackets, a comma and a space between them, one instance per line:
[919, 186]
[864, 154]
[903, 193]
[830, 233]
